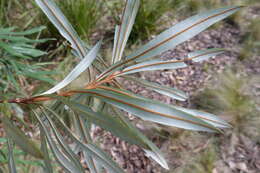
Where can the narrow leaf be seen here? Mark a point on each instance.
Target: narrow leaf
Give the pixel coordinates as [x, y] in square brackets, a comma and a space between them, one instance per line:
[27, 32]
[20, 139]
[11, 162]
[115, 44]
[150, 110]
[172, 64]
[81, 67]
[152, 150]
[44, 148]
[60, 157]
[209, 118]
[153, 65]
[92, 150]
[181, 32]
[101, 156]
[165, 90]
[107, 122]
[202, 55]
[66, 149]
[174, 36]
[126, 26]
[56, 16]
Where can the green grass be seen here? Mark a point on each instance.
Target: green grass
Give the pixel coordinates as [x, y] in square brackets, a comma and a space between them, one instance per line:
[232, 98]
[84, 15]
[204, 162]
[15, 12]
[150, 18]
[250, 44]
[24, 162]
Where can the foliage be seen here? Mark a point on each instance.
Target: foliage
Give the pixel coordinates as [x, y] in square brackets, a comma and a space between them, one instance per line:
[251, 39]
[24, 163]
[16, 50]
[83, 14]
[204, 163]
[232, 97]
[102, 98]
[152, 12]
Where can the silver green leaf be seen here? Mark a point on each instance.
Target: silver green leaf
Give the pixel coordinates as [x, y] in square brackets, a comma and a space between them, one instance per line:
[60, 157]
[153, 65]
[56, 16]
[203, 55]
[209, 118]
[81, 67]
[152, 150]
[150, 110]
[11, 162]
[115, 44]
[122, 33]
[107, 122]
[66, 149]
[174, 36]
[91, 149]
[181, 32]
[165, 90]
[196, 56]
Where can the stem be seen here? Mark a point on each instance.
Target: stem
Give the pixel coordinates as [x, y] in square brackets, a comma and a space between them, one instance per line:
[93, 85]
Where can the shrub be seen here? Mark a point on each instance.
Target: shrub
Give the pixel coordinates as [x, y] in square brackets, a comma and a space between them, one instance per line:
[99, 102]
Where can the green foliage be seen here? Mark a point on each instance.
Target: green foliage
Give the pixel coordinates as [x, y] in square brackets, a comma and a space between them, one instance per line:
[149, 19]
[22, 162]
[83, 14]
[204, 163]
[101, 100]
[251, 39]
[14, 12]
[231, 97]
[16, 50]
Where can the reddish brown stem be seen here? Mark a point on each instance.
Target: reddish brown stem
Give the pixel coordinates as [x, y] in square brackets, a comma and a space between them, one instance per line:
[31, 100]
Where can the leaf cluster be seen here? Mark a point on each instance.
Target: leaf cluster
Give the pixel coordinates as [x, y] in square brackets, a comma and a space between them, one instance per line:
[102, 99]
[16, 50]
